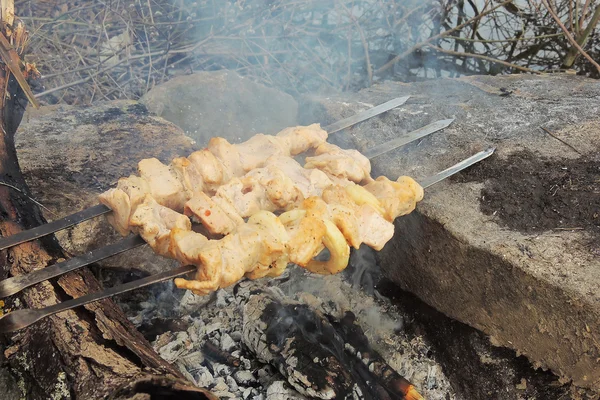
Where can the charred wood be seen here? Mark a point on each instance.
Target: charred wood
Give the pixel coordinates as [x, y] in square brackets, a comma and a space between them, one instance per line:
[319, 356]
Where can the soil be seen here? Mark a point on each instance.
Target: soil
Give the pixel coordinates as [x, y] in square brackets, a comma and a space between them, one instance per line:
[476, 369]
[531, 194]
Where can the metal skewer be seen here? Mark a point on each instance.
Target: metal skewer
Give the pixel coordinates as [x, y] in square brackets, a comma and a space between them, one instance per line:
[15, 284]
[22, 318]
[100, 209]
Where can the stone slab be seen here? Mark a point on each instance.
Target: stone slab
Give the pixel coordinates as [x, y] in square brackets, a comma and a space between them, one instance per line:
[69, 155]
[533, 289]
[221, 103]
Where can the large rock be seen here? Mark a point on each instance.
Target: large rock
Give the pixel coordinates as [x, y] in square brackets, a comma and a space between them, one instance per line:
[221, 103]
[69, 155]
[512, 246]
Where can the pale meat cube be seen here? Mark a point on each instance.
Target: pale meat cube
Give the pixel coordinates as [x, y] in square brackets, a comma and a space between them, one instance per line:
[208, 275]
[154, 223]
[135, 187]
[245, 197]
[272, 189]
[164, 185]
[275, 238]
[118, 201]
[309, 182]
[203, 209]
[222, 263]
[228, 154]
[188, 175]
[341, 163]
[241, 253]
[306, 239]
[397, 198]
[375, 231]
[256, 249]
[366, 225]
[123, 200]
[186, 246]
[257, 149]
[210, 168]
[302, 138]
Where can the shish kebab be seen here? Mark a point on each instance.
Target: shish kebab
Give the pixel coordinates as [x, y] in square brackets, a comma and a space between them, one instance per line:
[22, 318]
[95, 211]
[15, 284]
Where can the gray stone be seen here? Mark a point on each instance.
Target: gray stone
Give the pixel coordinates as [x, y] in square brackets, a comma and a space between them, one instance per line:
[203, 377]
[536, 292]
[233, 386]
[193, 360]
[221, 103]
[236, 336]
[246, 393]
[69, 155]
[227, 342]
[222, 298]
[191, 302]
[222, 369]
[244, 377]
[220, 385]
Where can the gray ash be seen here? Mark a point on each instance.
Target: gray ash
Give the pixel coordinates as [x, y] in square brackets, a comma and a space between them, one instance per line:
[207, 338]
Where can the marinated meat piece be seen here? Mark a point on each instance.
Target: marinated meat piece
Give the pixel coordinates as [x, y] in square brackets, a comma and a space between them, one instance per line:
[123, 200]
[163, 184]
[212, 170]
[203, 209]
[374, 230]
[397, 198]
[154, 222]
[257, 249]
[340, 163]
[189, 176]
[118, 201]
[300, 139]
[185, 246]
[258, 148]
[228, 154]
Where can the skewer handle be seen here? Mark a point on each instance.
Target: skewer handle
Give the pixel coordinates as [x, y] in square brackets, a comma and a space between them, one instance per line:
[15, 284]
[53, 226]
[23, 318]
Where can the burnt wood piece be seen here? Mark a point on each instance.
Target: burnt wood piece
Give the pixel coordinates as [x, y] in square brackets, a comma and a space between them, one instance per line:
[319, 356]
[85, 353]
[357, 345]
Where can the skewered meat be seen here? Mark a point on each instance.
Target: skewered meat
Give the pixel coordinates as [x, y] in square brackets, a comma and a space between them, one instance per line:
[154, 222]
[221, 162]
[269, 188]
[215, 217]
[266, 243]
[256, 249]
[341, 163]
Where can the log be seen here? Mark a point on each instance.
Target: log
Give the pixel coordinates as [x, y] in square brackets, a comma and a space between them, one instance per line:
[86, 353]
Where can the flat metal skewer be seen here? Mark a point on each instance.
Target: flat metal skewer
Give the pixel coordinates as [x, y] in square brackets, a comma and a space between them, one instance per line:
[405, 139]
[15, 284]
[365, 115]
[20, 319]
[54, 226]
[95, 211]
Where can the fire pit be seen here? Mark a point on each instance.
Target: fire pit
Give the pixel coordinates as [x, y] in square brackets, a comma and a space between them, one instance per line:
[228, 342]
